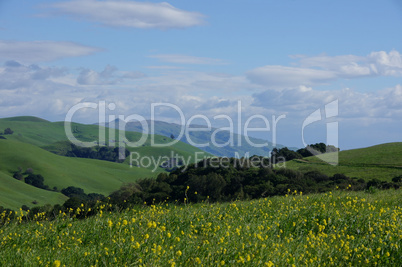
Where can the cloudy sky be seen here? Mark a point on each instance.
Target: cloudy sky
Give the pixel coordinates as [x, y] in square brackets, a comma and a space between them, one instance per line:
[288, 58]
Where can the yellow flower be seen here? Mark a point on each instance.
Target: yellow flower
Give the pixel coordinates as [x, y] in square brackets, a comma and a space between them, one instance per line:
[178, 253]
[56, 263]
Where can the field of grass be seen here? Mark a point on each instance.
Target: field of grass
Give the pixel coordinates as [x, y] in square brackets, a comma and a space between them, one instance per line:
[381, 162]
[341, 228]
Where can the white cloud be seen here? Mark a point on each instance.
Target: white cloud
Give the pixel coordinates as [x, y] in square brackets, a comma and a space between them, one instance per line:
[49, 92]
[298, 102]
[164, 67]
[281, 76]
[130, 13]
[392, 97]
[320, 69]
[184, 59]
[387, 64]
[91, 77]
[108, 76]
[42, 51]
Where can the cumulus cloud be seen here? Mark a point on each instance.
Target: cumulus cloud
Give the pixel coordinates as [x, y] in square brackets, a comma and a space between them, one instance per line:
[49, 92]
[133, 14]
[184, 59]
[91, 77]
[298, 102]
[108, 76]
[16, 75]
[321, 69]
[42, 51]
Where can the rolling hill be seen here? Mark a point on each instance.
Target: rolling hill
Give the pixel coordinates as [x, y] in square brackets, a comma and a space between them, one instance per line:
[381, 162]
[94, 176]
[34, 139]
[52, 137]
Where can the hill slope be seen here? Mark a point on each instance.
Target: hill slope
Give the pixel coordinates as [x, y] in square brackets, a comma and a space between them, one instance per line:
[51, 135]
[14, 194]
[94, 176]
[382, 162]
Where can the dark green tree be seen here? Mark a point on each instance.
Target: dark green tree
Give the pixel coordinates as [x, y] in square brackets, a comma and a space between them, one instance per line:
[8, 131]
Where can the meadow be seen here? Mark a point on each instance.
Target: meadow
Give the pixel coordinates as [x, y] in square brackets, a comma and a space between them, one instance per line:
[340, 228]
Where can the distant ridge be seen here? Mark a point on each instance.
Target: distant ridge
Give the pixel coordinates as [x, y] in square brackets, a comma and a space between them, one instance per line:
[25, 118]
[202, 137]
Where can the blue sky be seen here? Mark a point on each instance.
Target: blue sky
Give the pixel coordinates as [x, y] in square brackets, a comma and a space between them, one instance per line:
[277, 57]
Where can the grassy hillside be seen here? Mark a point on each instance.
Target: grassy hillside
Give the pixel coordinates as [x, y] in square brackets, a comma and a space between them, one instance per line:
[94, 176]
[334, 229]
[382, 162]
[14, 194]
[51, 136]
[23, 149]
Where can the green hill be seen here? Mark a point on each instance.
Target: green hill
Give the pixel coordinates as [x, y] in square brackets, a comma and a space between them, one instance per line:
[14, 194]
[381, 162]
[94, 176]
[52, 136]
[26, 148]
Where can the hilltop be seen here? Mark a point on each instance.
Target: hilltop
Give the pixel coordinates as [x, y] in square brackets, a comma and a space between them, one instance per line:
[381, 162]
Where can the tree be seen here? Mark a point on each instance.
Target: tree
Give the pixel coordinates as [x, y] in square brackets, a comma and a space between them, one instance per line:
[18, 176]
[172, 136]
[36, 180]
[8, 131]
[73, 191]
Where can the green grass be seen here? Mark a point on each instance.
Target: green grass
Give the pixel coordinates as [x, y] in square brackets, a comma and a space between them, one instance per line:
[14, 194]
[334, 229]
[94, 176]
[91, 175]
[381, 162]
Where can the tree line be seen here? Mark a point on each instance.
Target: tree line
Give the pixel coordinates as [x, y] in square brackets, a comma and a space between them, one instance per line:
[98, 152]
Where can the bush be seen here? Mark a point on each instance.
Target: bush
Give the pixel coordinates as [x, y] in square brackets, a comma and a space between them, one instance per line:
[397, 179]
[25, 208]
